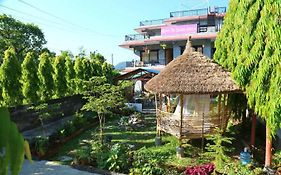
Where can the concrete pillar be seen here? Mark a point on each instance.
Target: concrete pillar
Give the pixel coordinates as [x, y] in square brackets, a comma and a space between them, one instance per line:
[176, 51]
[207, 50]
[162, 57]
[137, 52]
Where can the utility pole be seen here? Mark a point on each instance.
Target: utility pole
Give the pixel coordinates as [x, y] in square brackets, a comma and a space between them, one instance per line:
[112, 58]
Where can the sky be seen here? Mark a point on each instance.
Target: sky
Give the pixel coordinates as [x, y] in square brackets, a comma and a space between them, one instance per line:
[95, 25]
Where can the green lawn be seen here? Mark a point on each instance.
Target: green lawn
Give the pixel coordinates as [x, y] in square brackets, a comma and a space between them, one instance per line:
[140, 137]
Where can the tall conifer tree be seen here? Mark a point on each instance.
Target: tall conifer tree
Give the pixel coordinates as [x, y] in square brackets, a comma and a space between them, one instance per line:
[60, 76]
[255, 57]
[10, 73]
[30, 85]
[70, 75]
[79, 74]
[45, 75]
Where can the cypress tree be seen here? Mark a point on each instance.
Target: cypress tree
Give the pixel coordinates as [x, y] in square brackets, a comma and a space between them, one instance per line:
[45, 75]
[10, 73]
[255, 60]
[107, 71]
[79, 74]
[70, 75]
[30, 85]
[60, 76]
[86, 64]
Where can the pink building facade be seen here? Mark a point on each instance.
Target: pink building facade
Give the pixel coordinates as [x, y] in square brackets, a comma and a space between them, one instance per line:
[158, 42]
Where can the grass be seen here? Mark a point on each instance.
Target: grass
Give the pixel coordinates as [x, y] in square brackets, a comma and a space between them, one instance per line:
[139, 137]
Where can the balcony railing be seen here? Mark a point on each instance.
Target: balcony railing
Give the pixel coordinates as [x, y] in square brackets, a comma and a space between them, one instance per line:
[152, 22]
[136, 37]
[220, 10]
[196, 12]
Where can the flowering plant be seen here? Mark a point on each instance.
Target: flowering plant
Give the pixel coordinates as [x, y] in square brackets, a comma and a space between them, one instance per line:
[206, 169]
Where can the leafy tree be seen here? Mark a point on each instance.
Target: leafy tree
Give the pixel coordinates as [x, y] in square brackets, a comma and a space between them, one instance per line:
[254, 57]
[102, 98]
[70, 75]
[96, 68]
[79, 74]
[10, 73]
[60, 76]
[97, 57]
[23, 37]
[107, 71]
[29, 79]
[45, 75]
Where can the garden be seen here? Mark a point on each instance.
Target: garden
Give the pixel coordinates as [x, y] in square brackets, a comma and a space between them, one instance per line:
[128, 147]
[103, 135]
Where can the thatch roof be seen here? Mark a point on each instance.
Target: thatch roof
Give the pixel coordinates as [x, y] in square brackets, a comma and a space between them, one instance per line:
[192, 73]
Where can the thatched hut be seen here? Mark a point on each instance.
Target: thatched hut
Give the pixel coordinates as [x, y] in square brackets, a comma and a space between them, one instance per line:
[202, 87]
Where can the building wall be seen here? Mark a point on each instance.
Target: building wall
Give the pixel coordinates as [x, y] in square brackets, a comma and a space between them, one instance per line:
[137, 52]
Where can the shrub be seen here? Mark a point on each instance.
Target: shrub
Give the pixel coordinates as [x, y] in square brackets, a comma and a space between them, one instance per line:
[82, 155]
[118, 158]
[236, 168]
[41, 145]
[217, 150]
[206, 169]
[148, 162]
[277, 159]
[79, 121]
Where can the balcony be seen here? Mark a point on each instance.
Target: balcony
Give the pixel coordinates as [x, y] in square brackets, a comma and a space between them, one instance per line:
[220, 10]
[135, 37]
[152, 22]
[196, 12]
[200, 29]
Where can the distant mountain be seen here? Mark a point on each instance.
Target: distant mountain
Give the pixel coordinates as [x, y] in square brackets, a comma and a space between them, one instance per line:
[123, 65]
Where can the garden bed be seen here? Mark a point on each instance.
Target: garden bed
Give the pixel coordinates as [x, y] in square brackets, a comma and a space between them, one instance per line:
[137, 142]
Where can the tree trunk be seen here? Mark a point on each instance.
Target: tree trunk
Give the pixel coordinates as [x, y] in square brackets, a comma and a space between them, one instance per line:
[268, 148]
[101, 128]
[253, 130]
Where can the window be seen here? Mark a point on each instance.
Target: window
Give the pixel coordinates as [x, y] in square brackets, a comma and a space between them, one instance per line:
[150, 57]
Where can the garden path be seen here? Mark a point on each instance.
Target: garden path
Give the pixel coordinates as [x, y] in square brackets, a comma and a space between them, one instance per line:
[50, 168]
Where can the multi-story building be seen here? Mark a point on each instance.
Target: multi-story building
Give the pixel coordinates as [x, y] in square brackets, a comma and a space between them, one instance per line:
[160, 41]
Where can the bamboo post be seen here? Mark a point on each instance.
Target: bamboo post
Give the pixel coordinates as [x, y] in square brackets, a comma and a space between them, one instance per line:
[158, 126]
[169, 103]
[160, 108]
[224, 113]
[157, 116]
[202, 136]
[253, 130]
[219, 109]
[181, 117]
[268, 147]
[180, 151]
